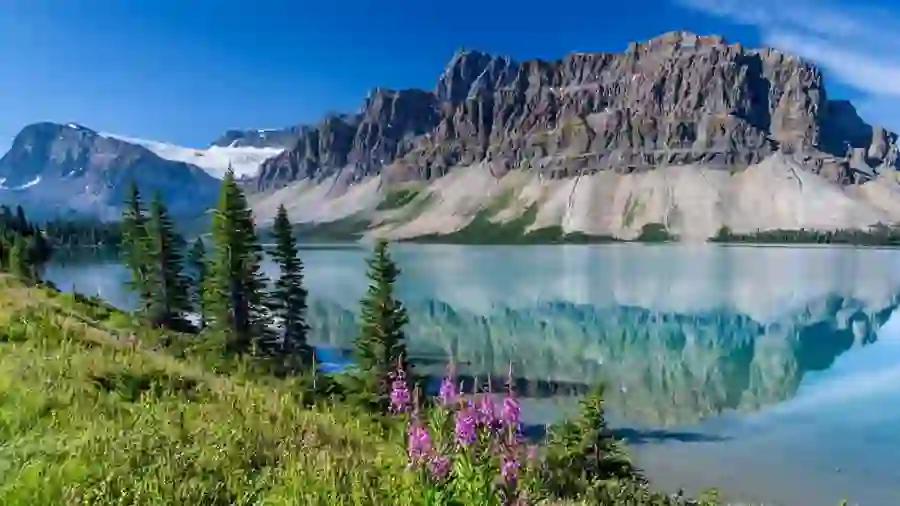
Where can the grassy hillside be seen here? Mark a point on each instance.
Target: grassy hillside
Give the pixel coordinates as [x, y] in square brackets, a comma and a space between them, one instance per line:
[89, 415]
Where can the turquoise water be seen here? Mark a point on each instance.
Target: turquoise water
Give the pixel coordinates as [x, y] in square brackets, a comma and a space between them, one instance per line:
[770, 372]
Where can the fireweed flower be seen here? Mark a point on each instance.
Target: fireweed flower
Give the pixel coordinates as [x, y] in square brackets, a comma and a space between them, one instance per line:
[465, 426]
[418, 442]
[485, 410]
[510, 412]
[509, 470]
[448, 392]
[439, 467]
[399, 393]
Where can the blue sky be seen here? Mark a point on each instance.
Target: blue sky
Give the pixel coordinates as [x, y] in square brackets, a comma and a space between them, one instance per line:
[185, 71]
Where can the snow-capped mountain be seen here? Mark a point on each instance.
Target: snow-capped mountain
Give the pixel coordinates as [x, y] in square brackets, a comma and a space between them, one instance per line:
[245, 160]
[58, 170]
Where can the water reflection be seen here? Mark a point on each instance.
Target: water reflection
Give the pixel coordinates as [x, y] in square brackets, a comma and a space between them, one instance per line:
[662, 368]
[678, 333]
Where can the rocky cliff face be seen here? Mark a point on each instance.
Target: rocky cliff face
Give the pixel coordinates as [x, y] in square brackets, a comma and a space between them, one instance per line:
[55, 170]
[674, 100]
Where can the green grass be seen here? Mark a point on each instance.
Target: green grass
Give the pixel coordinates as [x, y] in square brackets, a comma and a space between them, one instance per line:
[395, 199]
[346, 229]
[89, 417]
[481, 230]
[655, 232]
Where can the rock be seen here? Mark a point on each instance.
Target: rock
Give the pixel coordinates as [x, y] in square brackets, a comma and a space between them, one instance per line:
[677, 99]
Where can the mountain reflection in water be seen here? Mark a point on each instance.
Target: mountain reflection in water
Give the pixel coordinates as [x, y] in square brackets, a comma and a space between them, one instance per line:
[660, 368]
[677, 333]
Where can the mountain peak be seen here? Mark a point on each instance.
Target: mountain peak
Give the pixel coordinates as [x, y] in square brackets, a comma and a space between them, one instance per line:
[678, 98]
[55, 169]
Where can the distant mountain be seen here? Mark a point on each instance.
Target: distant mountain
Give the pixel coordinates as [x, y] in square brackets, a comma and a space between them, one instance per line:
[280, 138]
[215, 160]
[688, 131]
[60, 170]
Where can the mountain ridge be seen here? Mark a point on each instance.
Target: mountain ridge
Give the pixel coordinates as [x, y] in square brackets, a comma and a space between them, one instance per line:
[534, 133]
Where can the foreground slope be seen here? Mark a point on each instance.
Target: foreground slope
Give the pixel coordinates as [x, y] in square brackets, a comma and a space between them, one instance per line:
[689, 131]
[88, 418]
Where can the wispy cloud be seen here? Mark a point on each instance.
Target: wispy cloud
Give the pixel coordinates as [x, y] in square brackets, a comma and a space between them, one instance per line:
[858, 44]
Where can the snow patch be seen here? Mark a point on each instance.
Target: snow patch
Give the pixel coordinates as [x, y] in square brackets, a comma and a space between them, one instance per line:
[29, 184]
[244, 160]
[72, 125]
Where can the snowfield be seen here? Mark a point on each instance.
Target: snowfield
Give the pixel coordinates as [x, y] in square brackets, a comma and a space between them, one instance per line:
[213, 160]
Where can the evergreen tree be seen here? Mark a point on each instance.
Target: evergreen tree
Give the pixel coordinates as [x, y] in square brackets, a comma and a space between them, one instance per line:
[288, 299]
[169, 298]
[136, 248]
[197, 265]
[6, 217]
[18, 258]
[235, 289]
[380, 346]
[20, 223]
[586, 443]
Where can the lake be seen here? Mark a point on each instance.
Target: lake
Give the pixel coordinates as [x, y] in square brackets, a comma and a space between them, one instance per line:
[772, 373]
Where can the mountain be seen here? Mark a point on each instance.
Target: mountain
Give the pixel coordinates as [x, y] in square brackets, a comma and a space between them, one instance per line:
[215, 160]
[278, 138]
[57, 170]
[688, 131]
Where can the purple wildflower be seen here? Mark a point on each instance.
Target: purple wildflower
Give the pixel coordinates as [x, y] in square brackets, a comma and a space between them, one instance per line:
[510, 412]
[448, 392]
[486, 412]
[418, 442]
[509, 470]
[399, 393]
[439, 467]
[466, 422]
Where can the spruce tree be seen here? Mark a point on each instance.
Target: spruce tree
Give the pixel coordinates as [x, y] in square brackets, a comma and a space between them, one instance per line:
[288, 299]
[236, 286]
[18, 258]
[587, 444]
[380, 347]
[196, 262]
[135, 247]
[20, 223]
[169, 300]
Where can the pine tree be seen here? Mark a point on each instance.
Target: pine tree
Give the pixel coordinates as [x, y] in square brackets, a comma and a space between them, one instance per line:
[196, 262]
[380, 346]
[135, 247]
[288, 299]
[235, 289]
[20, 223]
[586, 443]
[18, 258]
[169, 288]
